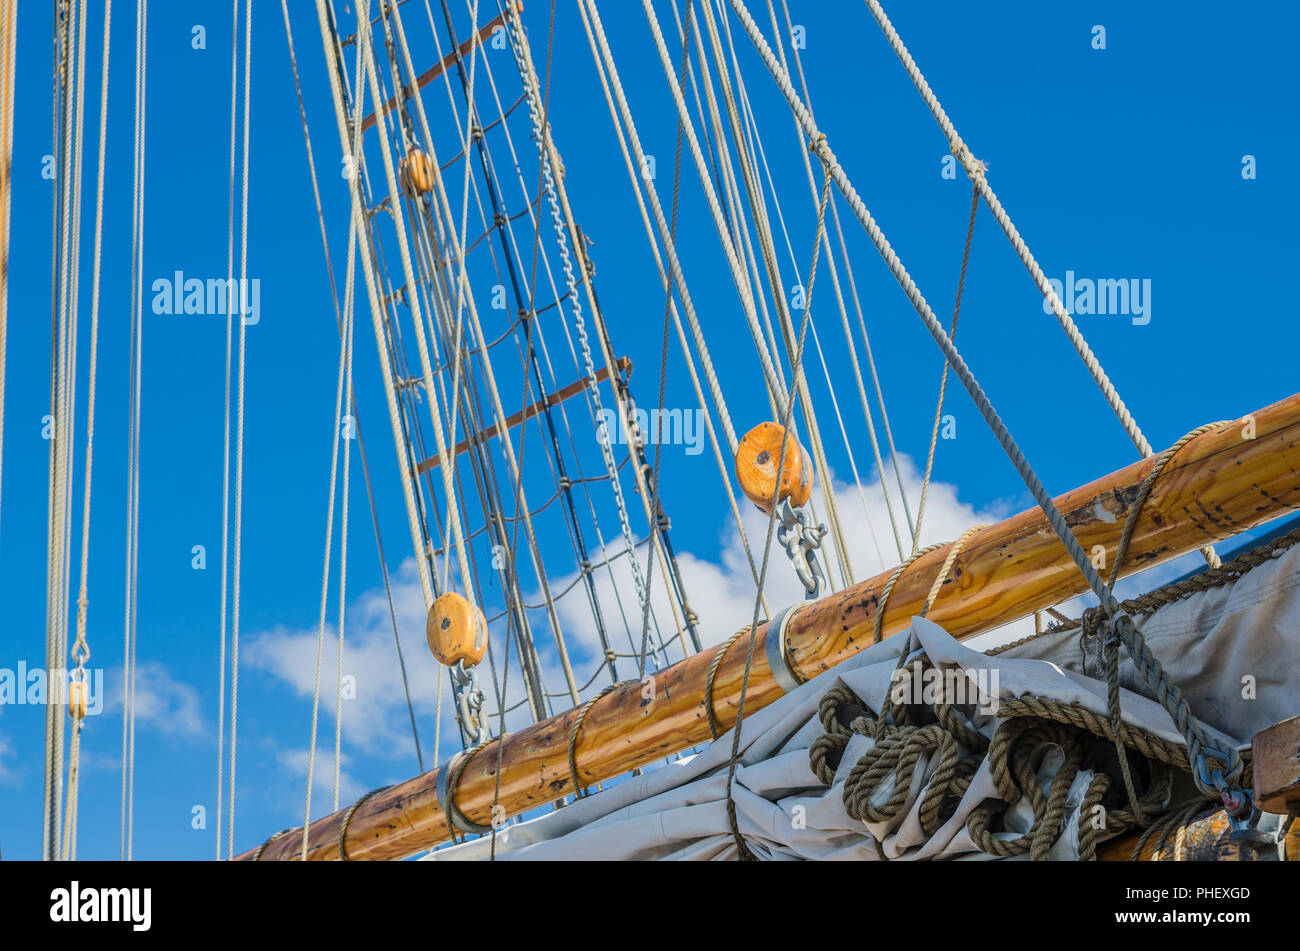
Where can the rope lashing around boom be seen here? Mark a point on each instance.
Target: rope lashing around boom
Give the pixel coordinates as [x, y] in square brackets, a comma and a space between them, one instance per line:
[578, 789]
[715, 730]
[1206, 751]
[347, 818]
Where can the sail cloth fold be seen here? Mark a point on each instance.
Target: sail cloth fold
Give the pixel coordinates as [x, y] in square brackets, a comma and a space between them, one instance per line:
[1233, 650]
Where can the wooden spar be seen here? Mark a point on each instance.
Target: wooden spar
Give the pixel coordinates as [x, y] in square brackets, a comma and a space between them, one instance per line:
[1211, 828]
[559, 396]
[1219, 484]
[438, 68]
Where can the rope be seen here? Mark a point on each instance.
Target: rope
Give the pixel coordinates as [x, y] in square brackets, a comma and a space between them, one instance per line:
[133, 478]
[745, 853]
[239, 433]
[975, 170]
[576, 782]
[81, 649]
[862, 325]
[943, 378]
[361, 446]
[344, 345]
[724, 468]
[347, 819]
[8, 59]
[715, 730]
[261, 849]
[1148, 665]
[225, 449]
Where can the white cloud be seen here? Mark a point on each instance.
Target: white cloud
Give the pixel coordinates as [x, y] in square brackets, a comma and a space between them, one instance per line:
[162, 702]
[9, 775]
[295, 762]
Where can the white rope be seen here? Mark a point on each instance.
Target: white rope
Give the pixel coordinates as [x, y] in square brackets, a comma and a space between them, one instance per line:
[225, 450]
[542, 135]
[848, 334]
[133, 488]
[62, 423]
[775, 385]
[81, 650]
[494, 393]
[8, 58]
[724, 465]
[239, 434]
[394, 192]
[750, 149]
[975, 170]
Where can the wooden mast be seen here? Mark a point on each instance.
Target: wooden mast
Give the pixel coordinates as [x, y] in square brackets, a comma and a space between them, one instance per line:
[1218, 485]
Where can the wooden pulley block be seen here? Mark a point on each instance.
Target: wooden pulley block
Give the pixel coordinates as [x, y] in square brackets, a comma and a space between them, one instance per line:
[456, 631]
[78, 692]
[1275, 755]
[416, 173]
[756, 465]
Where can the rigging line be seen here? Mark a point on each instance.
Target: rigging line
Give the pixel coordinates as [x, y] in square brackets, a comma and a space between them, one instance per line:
[530, 360]
[81, 650]
[337, 81]
[329, 539]
[405, 254]
[762, 224]
[556, 196]
[328, 34]
[943, 379]
[356, 420]
[462, 286]
[976, 172]
[1201, 746]
[775, 384]
[239, 431]
[663, 364]
[757, 150]
[404, 120]
[723, 467]
[848, 335]
[527, 314]
[133, 487]
[857, 306]
[737, 223]
[62, 115]
[493, 507]
[797, 371]
[225, 451]
[8, 74]
[508, 447]
[490, 499]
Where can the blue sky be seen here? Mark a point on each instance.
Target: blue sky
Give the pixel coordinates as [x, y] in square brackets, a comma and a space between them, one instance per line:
[1117, 163]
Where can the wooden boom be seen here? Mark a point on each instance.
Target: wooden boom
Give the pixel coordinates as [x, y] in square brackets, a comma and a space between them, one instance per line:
[1218, 484]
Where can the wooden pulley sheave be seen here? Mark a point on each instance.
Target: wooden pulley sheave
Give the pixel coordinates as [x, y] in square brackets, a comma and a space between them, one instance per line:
[457, 634]
[416, 173]
[456, 631]
[768, 481]
[756, 467]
